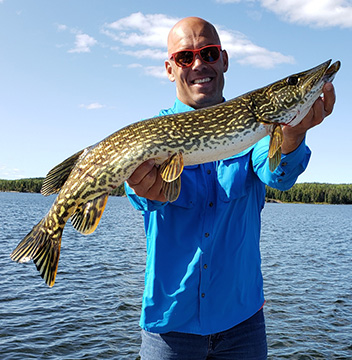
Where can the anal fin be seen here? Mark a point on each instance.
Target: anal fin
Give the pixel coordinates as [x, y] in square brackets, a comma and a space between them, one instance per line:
[276, 139]
[87, 216]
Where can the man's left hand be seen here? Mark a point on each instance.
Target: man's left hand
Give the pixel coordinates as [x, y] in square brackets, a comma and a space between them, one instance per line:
[323, 106]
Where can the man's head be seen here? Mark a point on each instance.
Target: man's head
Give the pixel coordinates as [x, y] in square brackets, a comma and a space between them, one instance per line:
[200, 84]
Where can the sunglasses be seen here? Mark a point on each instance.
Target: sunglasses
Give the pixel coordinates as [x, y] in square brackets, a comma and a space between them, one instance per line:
[185, 58]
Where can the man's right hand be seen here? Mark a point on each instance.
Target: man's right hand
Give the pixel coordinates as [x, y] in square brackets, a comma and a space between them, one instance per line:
[146, 181]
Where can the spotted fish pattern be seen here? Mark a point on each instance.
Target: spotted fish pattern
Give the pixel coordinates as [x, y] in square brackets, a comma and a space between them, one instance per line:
[84, 181]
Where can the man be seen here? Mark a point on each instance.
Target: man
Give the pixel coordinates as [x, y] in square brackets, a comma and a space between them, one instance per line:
[203, 294]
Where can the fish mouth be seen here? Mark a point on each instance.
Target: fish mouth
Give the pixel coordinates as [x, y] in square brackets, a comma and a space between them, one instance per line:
[331, 71]
[321, 74]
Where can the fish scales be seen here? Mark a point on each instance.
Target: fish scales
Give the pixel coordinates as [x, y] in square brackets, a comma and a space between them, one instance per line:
[83, 181]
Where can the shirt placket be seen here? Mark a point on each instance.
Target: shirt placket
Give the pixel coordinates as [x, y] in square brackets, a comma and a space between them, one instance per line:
[207, 238]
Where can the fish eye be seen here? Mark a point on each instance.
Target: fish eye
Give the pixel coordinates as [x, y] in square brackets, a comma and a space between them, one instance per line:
[292, 80]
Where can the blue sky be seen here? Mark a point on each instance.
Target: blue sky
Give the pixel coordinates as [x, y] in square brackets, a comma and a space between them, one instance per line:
[73, 72]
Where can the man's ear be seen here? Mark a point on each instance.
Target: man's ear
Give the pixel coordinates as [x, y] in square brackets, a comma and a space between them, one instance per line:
[225, 60]
[169, 70]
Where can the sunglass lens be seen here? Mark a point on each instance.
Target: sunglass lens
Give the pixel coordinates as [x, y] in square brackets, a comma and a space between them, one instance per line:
[210, 54]
[184, 58]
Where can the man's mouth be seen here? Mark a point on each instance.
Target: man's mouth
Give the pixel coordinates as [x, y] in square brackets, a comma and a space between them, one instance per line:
[202, 81]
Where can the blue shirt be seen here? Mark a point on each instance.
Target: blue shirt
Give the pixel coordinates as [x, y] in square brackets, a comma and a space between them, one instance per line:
[203, 268]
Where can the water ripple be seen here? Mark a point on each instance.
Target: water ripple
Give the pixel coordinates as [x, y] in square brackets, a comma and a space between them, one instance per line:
[93, 310]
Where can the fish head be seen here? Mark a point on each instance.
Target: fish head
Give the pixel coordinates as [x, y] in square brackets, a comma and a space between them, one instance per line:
[288, 100]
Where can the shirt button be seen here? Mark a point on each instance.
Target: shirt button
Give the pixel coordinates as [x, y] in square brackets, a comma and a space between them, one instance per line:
[284, 163]
[203, 295]
[211, 204]
[208, 171]
[205, 266]
[206, 235]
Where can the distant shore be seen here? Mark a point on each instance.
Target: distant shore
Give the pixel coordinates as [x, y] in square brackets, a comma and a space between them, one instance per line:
[306, 193]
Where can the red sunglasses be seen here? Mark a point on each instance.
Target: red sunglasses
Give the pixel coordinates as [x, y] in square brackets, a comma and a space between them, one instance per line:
[185, 58]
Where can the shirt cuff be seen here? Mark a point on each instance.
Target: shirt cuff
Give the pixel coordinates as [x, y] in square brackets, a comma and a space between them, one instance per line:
[291, 166]
[141, 203]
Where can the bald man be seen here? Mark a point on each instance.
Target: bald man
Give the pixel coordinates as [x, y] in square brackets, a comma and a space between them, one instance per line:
[203, 296]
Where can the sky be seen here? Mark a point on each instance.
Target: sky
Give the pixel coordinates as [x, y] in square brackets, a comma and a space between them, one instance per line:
[73, 72]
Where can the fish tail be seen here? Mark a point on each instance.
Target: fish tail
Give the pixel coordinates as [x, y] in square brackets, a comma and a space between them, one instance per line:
[42, 245]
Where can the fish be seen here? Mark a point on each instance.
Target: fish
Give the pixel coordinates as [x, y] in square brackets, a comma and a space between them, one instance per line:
[84, 181]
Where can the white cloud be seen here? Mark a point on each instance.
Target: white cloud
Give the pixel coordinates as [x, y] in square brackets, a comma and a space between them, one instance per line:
[156, 71]
[10, 173]
[149, 34]
[61, 27]
[149, 30]
[320, 13]
[92, 106]
[156, 54]
[228, 1]
[134, 66]
[246, 52]
[83, 43]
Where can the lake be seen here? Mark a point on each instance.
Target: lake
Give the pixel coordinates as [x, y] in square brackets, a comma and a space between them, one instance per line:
[93, 310]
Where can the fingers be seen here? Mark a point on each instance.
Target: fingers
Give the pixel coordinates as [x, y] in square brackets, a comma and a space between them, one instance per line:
[329, 98]
[322, 107]
[141, 172]
[146, 181]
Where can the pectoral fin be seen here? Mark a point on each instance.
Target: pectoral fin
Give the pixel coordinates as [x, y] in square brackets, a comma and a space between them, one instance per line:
[172, 189]
[87, 216]
[172, 168]
[276, 139]
[170, 171]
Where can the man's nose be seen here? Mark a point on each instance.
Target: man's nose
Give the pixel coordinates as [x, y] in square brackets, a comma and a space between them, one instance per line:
[198, 61]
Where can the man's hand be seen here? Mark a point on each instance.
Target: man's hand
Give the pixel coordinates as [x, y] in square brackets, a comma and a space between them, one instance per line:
[293, 136]
[146, 182]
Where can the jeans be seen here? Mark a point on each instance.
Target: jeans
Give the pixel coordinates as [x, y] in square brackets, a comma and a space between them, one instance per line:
[245, 341]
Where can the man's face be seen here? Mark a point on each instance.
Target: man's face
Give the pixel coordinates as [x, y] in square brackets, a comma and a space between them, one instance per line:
[201, 84]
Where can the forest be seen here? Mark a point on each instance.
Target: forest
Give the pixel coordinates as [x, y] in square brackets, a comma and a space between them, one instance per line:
[309, 193]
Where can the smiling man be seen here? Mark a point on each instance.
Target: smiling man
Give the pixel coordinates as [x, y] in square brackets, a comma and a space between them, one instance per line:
[197, 85]
[203, 296]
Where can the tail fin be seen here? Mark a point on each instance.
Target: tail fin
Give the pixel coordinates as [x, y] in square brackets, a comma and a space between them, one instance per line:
[43, 246]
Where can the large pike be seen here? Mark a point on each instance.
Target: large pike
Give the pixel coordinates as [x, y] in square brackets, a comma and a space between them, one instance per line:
[85, 180]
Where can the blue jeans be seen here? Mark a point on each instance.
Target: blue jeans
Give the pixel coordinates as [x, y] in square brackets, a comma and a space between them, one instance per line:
[245, 341]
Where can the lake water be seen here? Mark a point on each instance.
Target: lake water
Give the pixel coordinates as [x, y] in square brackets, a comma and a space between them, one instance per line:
[92, 312]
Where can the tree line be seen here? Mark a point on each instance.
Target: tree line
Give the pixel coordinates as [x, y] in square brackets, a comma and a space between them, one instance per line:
[308, 193]
[34, 185]
[312, 193]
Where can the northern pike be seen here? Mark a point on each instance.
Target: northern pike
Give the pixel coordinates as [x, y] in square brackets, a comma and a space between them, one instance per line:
[84, 181]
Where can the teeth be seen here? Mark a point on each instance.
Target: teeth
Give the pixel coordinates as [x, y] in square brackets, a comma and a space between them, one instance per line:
[202, 81]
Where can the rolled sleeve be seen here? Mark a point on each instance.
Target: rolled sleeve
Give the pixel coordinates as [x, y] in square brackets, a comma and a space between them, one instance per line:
[140, 203]
[290, 167]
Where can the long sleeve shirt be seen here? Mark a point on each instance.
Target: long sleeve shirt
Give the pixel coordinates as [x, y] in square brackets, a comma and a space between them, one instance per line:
[203, 267]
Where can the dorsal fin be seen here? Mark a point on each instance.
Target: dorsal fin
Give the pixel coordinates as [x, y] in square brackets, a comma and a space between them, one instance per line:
[57, 176]
[87, 216]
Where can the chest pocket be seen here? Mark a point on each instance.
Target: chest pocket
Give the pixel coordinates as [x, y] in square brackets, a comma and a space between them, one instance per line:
[189, 187]
[233, 177]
